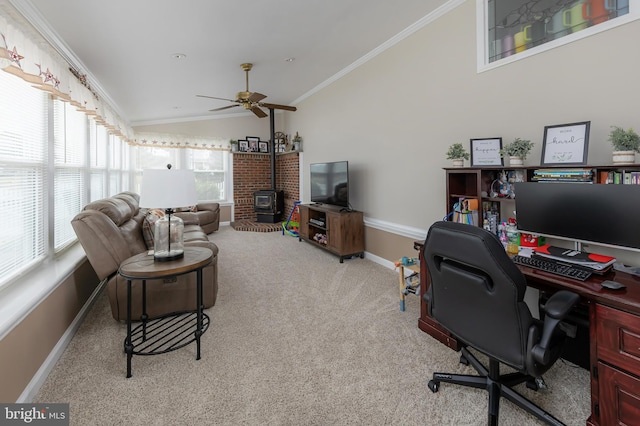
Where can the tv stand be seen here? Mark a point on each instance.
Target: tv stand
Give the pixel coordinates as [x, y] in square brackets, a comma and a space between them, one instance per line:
[330, 228]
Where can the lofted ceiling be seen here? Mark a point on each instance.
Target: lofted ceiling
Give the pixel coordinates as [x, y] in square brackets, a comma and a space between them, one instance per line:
[130, 48]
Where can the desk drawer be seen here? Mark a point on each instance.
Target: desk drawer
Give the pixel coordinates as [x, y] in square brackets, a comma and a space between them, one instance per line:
[618, 337]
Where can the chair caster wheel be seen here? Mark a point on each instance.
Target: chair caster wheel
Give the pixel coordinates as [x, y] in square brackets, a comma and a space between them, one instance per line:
[531, 384]
[463, 360]
[434, 386]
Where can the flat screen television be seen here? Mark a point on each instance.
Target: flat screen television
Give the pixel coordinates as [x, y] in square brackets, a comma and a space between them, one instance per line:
[330, 183]
[589, 213]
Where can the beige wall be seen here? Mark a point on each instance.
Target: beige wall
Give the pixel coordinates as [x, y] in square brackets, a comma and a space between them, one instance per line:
[394, 117]
[25, 348]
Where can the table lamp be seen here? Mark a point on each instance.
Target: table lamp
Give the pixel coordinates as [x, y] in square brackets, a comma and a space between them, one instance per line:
[167, 189]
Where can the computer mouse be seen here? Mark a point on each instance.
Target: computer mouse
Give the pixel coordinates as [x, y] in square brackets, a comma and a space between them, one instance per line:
[613, 285]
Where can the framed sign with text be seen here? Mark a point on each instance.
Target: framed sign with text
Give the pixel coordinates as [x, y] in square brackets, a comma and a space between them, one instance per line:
[566, 144]
[486, 152]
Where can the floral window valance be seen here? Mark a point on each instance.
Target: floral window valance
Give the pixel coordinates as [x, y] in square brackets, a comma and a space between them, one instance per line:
[178, 141]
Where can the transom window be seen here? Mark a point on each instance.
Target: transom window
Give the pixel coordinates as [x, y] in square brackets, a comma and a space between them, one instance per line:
[513, 29]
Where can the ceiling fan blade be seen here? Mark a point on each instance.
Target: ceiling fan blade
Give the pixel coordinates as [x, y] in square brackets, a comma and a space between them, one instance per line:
[225, 107]
[257, 111]
[213, 97]
[256, 97]
[276, 106]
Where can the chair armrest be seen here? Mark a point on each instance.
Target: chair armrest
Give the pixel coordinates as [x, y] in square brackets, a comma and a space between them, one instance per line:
[208, 206]
[560, 303]
[556, 309]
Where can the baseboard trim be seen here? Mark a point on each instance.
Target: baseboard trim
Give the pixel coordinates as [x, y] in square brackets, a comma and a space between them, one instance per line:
[394, 228]
[29, 393]
[380, 260]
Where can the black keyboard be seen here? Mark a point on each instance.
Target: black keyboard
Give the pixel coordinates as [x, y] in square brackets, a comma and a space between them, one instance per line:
[553, 267]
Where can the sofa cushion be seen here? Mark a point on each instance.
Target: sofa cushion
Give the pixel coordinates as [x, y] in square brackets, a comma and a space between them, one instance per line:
[148, 226]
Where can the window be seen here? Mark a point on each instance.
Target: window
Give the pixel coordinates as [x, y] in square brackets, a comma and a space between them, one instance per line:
[210, 170]
[514, 29]
[69, 146]
[23, 175]
[209, 166]
[53, 161]
[98, 137]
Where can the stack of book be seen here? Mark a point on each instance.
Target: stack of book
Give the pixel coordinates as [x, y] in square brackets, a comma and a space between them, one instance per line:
[563, 175]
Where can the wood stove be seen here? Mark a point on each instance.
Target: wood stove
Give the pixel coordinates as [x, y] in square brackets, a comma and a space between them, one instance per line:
[268, 204]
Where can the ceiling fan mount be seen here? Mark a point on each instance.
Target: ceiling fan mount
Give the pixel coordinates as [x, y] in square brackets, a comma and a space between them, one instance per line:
[249, 100]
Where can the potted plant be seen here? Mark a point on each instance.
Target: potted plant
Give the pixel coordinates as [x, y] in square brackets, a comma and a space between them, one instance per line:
[297, 140]
[517, 151]
[234, 145]
[458, 154]
[625, 145]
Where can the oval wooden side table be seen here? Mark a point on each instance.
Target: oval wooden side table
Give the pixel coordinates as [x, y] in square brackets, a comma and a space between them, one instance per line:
[171, 331]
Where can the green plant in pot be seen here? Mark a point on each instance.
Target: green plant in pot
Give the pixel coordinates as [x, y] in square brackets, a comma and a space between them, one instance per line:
[625, 145]
[458, 154]
[234, 145]
[297, 140]
[517, 151]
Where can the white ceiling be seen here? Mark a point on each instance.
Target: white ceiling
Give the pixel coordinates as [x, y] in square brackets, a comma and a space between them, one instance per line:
[128, 47]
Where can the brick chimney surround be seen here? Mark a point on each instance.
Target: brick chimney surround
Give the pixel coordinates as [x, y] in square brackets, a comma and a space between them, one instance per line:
[252, 172]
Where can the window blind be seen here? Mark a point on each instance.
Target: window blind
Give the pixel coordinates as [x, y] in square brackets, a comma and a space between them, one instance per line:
[23, 156]
[70, 141]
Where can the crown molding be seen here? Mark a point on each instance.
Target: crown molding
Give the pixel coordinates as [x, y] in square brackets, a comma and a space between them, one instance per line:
[426, 20]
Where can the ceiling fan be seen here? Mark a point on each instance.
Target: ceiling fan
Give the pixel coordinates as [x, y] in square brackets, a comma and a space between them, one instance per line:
[249, 100]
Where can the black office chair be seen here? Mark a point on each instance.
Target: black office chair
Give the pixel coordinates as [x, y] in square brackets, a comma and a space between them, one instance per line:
[477, 293]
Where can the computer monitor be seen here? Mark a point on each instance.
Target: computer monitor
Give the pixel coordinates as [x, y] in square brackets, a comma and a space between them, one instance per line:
[607, 215]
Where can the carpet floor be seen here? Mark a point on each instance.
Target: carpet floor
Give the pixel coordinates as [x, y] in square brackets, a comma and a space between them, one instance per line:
[296, 338]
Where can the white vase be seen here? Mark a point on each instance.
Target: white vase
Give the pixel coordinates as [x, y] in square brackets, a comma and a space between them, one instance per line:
[516, 161]
[458, 162]
[234, 148]
[624, 157]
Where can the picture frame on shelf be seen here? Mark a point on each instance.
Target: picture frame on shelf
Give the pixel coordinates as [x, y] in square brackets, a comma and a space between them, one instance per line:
[253, 145]
[566, 144]
[486, 152]
[263, 146]
[243, 146]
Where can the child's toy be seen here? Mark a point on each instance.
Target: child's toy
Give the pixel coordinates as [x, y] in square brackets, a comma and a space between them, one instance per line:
[292, 225]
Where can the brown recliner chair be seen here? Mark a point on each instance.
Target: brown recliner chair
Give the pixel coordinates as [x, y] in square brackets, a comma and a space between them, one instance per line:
[110, 231]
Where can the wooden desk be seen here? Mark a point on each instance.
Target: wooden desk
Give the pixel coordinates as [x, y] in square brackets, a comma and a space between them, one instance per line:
[614, 339]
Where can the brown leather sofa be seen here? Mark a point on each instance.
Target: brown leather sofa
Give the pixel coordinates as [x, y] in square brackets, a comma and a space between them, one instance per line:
[110, 231]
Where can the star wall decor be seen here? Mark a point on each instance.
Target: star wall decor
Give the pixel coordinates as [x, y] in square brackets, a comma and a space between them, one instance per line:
[16, 57]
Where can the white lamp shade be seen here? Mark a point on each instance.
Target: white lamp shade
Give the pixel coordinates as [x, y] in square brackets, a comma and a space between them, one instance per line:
[168, 188]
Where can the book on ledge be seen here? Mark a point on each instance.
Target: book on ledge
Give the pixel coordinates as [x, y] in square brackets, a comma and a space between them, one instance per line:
[598, 262]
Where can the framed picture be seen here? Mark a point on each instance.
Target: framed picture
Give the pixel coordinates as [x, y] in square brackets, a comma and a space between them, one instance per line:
[486, 152]
[253, 143]
[263, 146]
[566, 144]
[243, 146]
